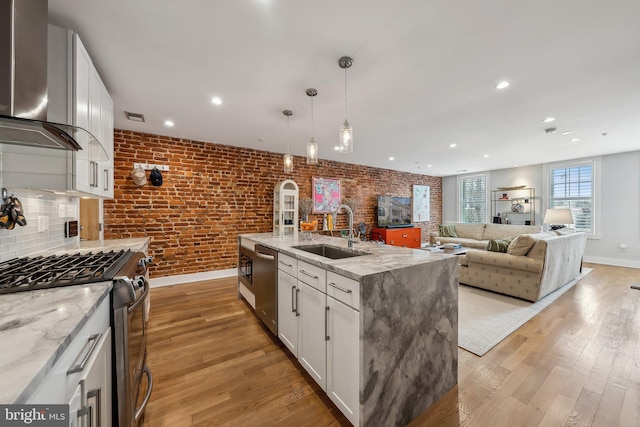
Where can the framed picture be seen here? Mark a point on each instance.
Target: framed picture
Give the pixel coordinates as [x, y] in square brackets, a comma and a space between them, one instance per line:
[421, 203]
[326, 194]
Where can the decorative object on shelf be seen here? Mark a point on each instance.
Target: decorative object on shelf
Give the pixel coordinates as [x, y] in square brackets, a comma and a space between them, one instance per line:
[288, 158]
[312, 146]
[517, 207]
[558, 218]
[504, 196]
[305, 206]
[326, 194]
[516, 187]
[421, 203]
[345, 142]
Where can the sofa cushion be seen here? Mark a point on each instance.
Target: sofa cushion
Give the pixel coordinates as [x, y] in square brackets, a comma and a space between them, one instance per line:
[500, 231]
[521, 245]
[467, 243]
[470, 231]
[499, 245]
[448, 230]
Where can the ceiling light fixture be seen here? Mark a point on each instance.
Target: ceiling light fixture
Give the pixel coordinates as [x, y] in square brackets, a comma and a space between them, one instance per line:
[428, 166]
[485, 156]
[312, 147]
[168, 123]
[288, 158]
[549, 119]
[216, 100]
[453, 145]
[575, 139]
[566, 132]
[391, 158]
[345, 141]
[503, 85]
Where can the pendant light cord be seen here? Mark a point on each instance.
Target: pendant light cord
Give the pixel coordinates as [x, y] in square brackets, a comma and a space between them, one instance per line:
[288, 151]
[345, 94]
[313, 130]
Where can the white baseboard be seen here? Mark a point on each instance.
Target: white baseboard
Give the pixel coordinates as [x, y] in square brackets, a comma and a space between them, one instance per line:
[613, 261]
[194, 277]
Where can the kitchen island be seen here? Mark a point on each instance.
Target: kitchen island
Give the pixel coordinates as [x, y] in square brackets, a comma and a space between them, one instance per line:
[408, 322]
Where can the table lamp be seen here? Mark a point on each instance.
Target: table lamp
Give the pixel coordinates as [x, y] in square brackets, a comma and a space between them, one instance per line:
[558, 218]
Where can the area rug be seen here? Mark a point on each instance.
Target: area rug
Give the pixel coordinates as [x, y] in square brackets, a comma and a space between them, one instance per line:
[486, 318]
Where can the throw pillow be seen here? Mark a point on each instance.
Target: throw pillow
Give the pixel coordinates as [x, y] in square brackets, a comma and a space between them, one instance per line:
[499, 245]
[448, 230]
[521, 245]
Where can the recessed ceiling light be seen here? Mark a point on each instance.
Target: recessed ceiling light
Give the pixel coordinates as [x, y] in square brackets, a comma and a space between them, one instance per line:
[485, 156]
[515, 166]
[453, 145]
[462, 170]
[566, 132]
[503, 85]
[168, 123]
[216, 100]
[428, 166]
[391, 158]
[549, 119]
[575, 139]
[336, 148]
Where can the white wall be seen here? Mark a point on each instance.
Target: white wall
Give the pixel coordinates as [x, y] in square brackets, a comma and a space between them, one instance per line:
[620, 205]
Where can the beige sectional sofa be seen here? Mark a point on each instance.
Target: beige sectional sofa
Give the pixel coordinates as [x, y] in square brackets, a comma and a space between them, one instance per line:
[538, 264]
[477, 236]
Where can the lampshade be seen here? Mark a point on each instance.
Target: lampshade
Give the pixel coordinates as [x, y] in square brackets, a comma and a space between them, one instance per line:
[559, 216]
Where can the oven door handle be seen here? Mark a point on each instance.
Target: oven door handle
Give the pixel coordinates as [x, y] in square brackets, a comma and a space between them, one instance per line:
[143, 405]
[141, 299]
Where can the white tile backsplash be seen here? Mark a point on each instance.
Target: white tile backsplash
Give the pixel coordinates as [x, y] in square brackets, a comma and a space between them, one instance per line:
[23, 241]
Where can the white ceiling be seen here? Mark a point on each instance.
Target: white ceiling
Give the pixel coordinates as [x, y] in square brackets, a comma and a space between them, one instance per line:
[423, 77]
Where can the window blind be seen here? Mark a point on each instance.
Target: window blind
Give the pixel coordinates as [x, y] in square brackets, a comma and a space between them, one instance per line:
[473, 199]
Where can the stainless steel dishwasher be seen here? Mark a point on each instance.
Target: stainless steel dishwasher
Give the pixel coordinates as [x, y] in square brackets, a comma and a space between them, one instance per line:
[265, 285]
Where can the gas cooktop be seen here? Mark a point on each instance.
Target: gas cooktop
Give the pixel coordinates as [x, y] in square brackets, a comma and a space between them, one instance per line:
[44, 272]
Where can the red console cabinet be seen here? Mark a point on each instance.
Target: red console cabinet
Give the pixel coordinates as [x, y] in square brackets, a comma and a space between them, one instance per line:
[405, 237]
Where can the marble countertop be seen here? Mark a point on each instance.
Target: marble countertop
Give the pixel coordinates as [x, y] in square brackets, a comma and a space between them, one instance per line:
[35, 329]
[37, 326]
[86, 246]
[379, 258]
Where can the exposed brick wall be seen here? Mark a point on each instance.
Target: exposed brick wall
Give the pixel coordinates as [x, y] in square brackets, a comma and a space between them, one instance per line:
[213, 192]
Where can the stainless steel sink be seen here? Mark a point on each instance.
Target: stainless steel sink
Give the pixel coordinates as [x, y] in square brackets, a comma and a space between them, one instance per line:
[332, 252]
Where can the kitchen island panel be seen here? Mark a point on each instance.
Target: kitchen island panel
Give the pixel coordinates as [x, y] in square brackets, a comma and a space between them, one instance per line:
[409, 354]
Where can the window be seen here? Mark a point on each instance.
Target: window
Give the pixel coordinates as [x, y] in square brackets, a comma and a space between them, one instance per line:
[573, 186]
[472, 202]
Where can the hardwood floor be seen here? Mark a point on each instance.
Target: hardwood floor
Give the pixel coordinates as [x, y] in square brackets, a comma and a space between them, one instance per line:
[575, 364]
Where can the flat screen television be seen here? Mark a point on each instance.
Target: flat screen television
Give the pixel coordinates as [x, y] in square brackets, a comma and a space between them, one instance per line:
[394, 211]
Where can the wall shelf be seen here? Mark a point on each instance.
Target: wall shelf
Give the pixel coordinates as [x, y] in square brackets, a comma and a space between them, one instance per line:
[517, 206]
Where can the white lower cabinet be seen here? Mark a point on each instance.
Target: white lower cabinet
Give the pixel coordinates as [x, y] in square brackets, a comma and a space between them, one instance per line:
[323, 332]
[81, 377]
[287, 314]
[312, 324]
[343, 354]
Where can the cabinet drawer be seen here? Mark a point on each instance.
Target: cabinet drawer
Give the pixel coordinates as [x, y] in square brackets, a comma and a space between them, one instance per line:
[287, 264]
[312, 275]
[344, 289]
[409, 237]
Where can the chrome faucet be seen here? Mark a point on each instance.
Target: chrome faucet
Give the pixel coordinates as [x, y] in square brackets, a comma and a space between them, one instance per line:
[351, 240]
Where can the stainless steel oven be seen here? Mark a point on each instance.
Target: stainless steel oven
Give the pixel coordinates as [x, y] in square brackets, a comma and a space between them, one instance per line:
[133, 379]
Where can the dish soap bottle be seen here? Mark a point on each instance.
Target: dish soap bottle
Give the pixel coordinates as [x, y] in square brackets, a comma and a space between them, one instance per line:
[325, 225]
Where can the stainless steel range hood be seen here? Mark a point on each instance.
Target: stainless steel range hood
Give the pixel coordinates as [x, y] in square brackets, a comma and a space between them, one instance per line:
[23, 80]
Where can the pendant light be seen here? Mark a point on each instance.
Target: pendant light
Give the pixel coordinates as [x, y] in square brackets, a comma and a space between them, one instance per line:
[312, 147]
[288, 158]
[345, 141]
